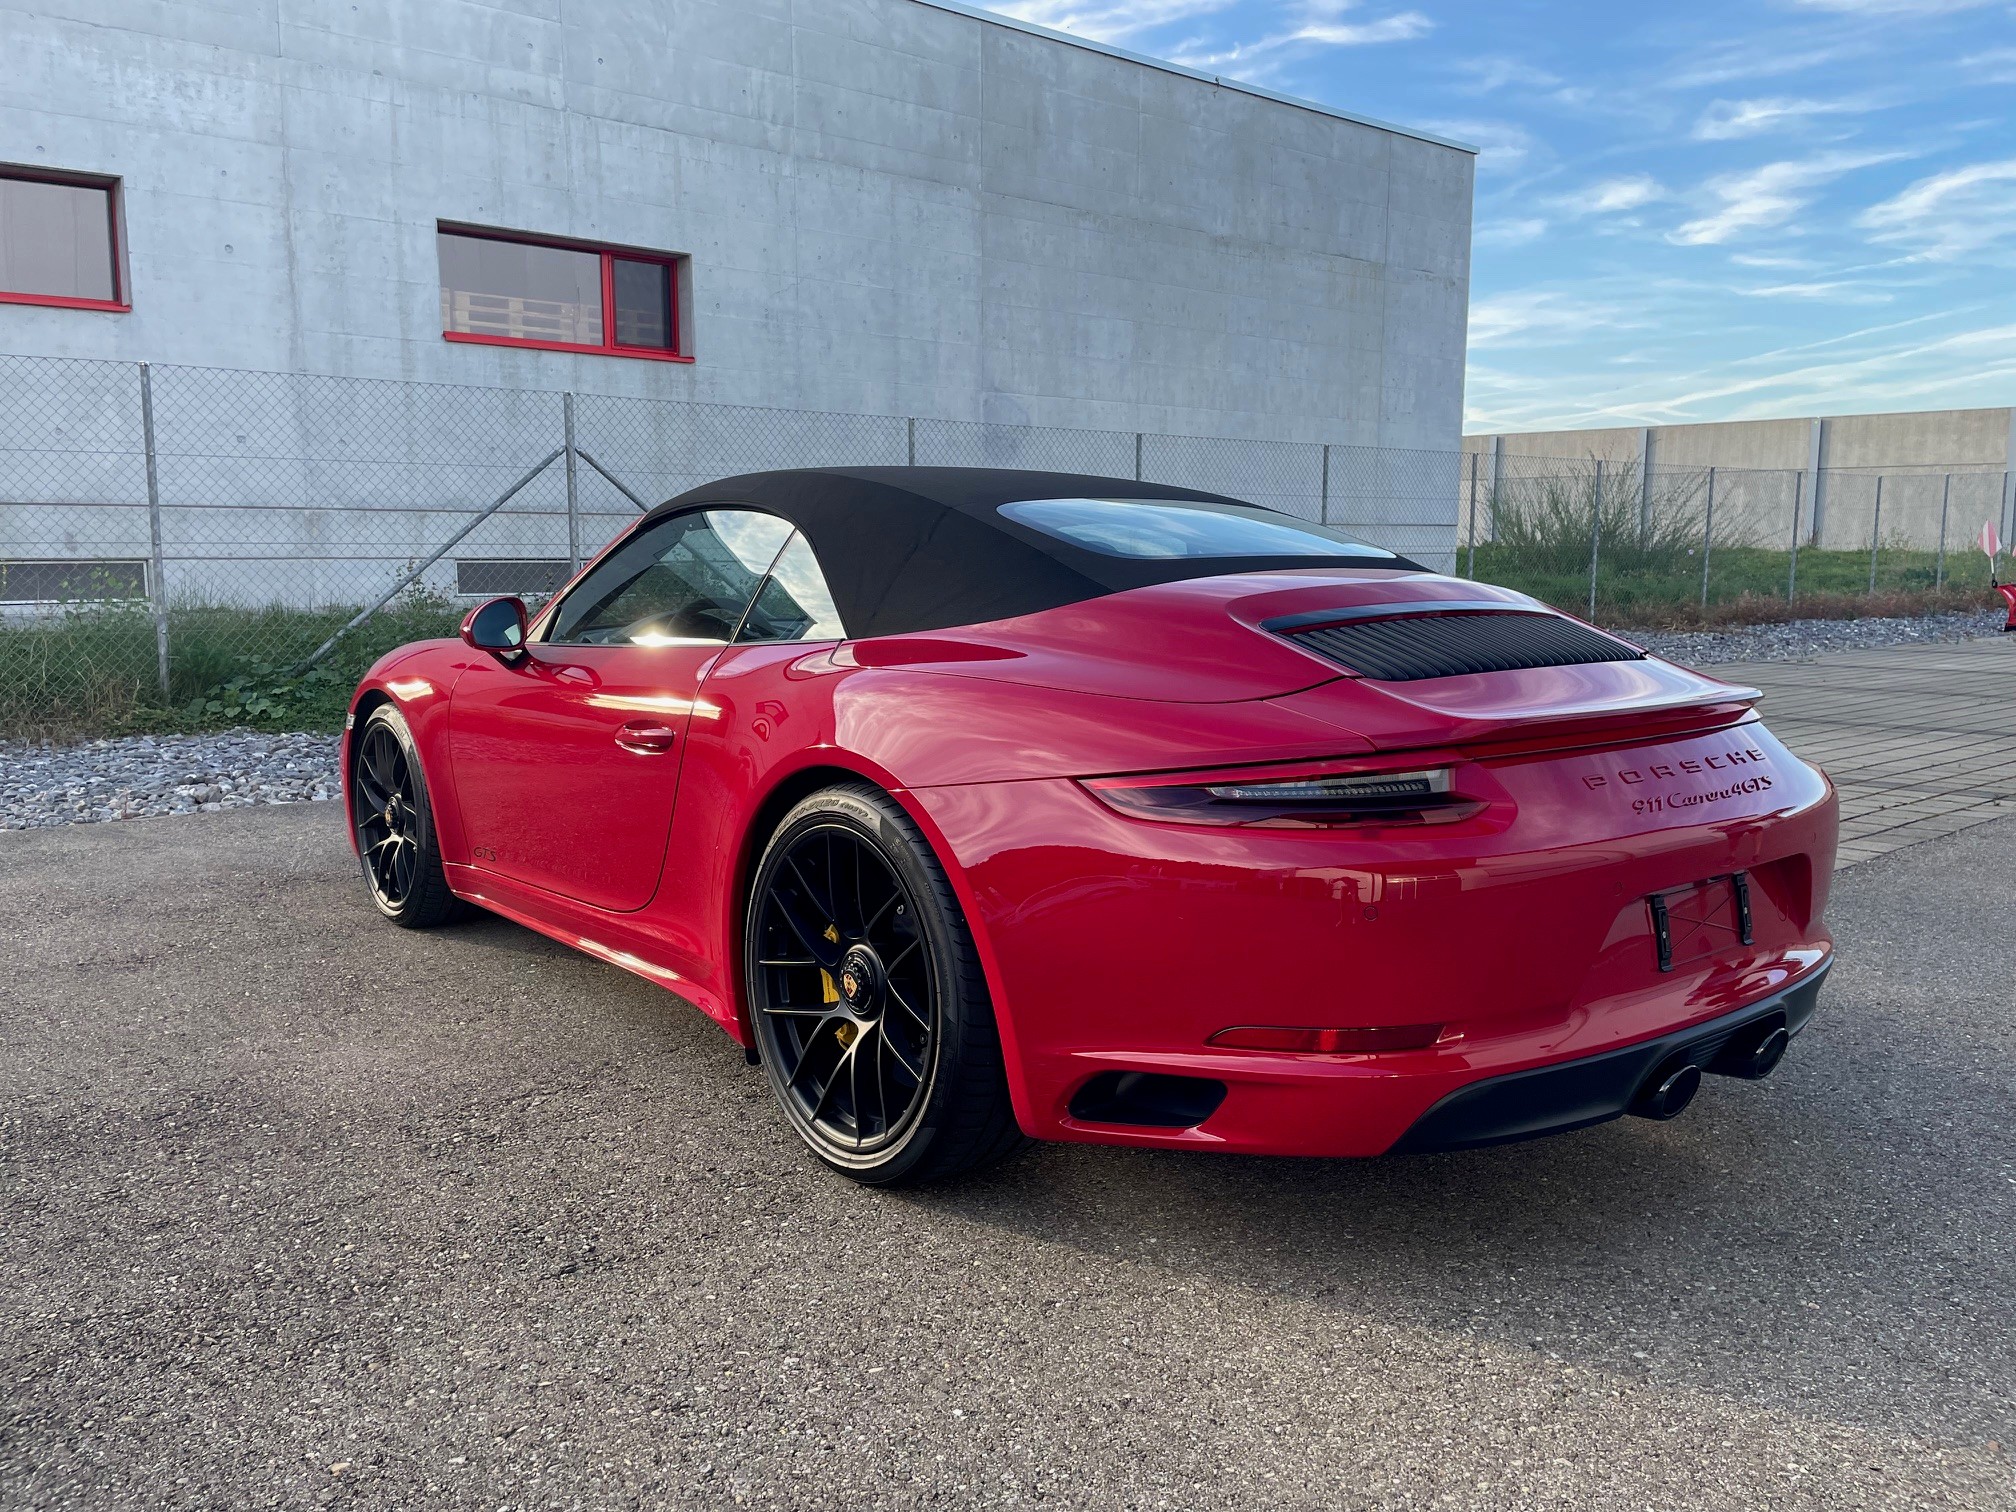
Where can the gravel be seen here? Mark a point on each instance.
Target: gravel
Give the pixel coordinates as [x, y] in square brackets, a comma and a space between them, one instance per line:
[143, 775]
[1795, 640]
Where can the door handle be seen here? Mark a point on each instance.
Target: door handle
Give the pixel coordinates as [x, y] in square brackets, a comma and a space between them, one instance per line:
[646, 737]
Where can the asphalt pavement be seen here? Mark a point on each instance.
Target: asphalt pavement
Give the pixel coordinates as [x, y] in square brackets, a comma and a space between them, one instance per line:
[297, 1209]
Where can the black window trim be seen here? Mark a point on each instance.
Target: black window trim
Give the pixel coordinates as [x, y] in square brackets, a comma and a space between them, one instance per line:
[549, 616]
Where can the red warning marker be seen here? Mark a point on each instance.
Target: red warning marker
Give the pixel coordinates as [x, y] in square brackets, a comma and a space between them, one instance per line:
[1990, 541]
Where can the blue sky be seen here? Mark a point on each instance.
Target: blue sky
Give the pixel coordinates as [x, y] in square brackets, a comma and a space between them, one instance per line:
[1684, 212]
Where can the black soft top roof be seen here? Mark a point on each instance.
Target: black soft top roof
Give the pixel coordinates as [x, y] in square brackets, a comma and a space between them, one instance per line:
[909, 549]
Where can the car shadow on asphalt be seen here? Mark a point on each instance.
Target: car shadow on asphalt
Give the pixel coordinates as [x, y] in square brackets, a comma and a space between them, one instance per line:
[1840, 1238]
[1842, 1235]
[1816, 1232]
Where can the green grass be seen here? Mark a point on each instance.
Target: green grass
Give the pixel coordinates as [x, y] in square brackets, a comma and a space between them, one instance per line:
[1746, 584]
[1649, 562]
[93, 671]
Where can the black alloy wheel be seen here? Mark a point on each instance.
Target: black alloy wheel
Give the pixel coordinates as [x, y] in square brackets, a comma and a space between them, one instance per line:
[394, 822]
[870, 1012]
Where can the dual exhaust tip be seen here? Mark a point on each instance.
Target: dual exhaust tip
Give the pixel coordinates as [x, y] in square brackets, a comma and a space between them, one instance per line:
[1751, 1054]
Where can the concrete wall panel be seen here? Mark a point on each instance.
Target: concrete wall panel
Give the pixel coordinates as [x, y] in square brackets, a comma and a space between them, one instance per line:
[887, 205]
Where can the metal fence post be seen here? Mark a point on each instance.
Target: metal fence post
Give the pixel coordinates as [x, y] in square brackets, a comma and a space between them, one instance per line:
[1644, 485]
[573, 498]
[157, 565]
[1323, 506]
[1595, 538]
[1945, 501]
[1816, 457]
[1798, 498]
[1137, 456]
[910, 439]
[1875, 532]
[1708, 538]
[1471, 570]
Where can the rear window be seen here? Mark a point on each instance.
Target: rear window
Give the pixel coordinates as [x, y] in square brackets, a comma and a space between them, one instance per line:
[1162, 529]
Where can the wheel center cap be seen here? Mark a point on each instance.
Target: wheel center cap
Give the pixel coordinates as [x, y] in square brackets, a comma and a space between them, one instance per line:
[860, 980]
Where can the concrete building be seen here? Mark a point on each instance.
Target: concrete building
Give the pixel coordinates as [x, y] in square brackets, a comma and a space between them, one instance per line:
[899, 207]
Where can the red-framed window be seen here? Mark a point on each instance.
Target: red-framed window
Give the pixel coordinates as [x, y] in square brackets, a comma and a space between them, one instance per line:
[507, 288]
[59, 240]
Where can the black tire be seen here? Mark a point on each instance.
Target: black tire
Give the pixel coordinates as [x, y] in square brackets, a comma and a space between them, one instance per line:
[869, 1008]
[392, 815]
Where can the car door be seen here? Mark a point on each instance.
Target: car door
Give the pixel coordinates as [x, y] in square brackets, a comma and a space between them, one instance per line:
[567, 760]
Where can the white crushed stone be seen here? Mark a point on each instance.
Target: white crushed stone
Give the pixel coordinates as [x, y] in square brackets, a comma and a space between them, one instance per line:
[139, 776]
[1795, 640]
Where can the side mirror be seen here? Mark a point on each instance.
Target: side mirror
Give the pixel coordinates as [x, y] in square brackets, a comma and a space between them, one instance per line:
[497, 627]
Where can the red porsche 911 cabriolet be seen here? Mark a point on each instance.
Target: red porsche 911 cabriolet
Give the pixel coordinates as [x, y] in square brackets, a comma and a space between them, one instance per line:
[980, 805]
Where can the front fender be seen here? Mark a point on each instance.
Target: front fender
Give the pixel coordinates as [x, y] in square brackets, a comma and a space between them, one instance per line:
[420, 680]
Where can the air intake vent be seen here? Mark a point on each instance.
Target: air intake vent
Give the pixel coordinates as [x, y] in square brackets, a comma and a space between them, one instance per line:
[1403, 647]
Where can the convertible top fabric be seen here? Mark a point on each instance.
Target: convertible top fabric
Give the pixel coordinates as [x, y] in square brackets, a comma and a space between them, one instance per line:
[911, 549]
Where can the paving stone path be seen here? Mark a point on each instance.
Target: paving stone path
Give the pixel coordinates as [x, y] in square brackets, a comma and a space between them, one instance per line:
[1921, 740]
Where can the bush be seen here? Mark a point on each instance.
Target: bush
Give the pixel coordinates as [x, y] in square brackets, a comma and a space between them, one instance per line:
[1650, 568]
[92, 670]
[1546, 527]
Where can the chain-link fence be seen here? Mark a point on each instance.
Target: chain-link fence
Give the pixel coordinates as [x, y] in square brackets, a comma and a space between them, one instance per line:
[1625, 544]
[179, 539]
[189, 539]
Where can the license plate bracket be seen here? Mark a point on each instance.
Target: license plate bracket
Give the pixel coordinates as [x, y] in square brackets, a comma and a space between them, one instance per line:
[1696, 914]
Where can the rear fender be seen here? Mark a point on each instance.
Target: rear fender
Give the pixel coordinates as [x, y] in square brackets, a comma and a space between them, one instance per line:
[933, 729]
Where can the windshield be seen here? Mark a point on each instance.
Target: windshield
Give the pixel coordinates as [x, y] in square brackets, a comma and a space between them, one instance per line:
[1173, 528]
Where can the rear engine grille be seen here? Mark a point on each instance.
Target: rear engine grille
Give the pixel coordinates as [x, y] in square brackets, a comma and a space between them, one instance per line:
[1407, 647]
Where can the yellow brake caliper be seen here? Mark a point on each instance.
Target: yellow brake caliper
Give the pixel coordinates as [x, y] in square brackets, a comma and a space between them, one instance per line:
[829, 993]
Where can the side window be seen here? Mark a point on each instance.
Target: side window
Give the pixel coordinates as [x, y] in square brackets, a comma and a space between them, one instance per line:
[794, 604]
[686, 579]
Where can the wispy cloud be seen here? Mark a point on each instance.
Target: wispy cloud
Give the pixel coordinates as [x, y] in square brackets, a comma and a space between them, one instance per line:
[1767, 196]
[1861, 368]
[1530, 317]
[1487, 74]
[1837, 290]
[1763, 57]
[1501, 145]
[1510, 233]
[1493, 74]
[1994, 65]
[1726, 120]
[1951, 214]
[1893, 7]
[1321, 24]
[1108, 20]
[1610, 196]
[1951, 365]
[1403, 27]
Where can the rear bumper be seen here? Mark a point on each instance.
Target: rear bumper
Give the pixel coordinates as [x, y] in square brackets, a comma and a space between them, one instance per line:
[1594, 1089]
[1118, 947]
